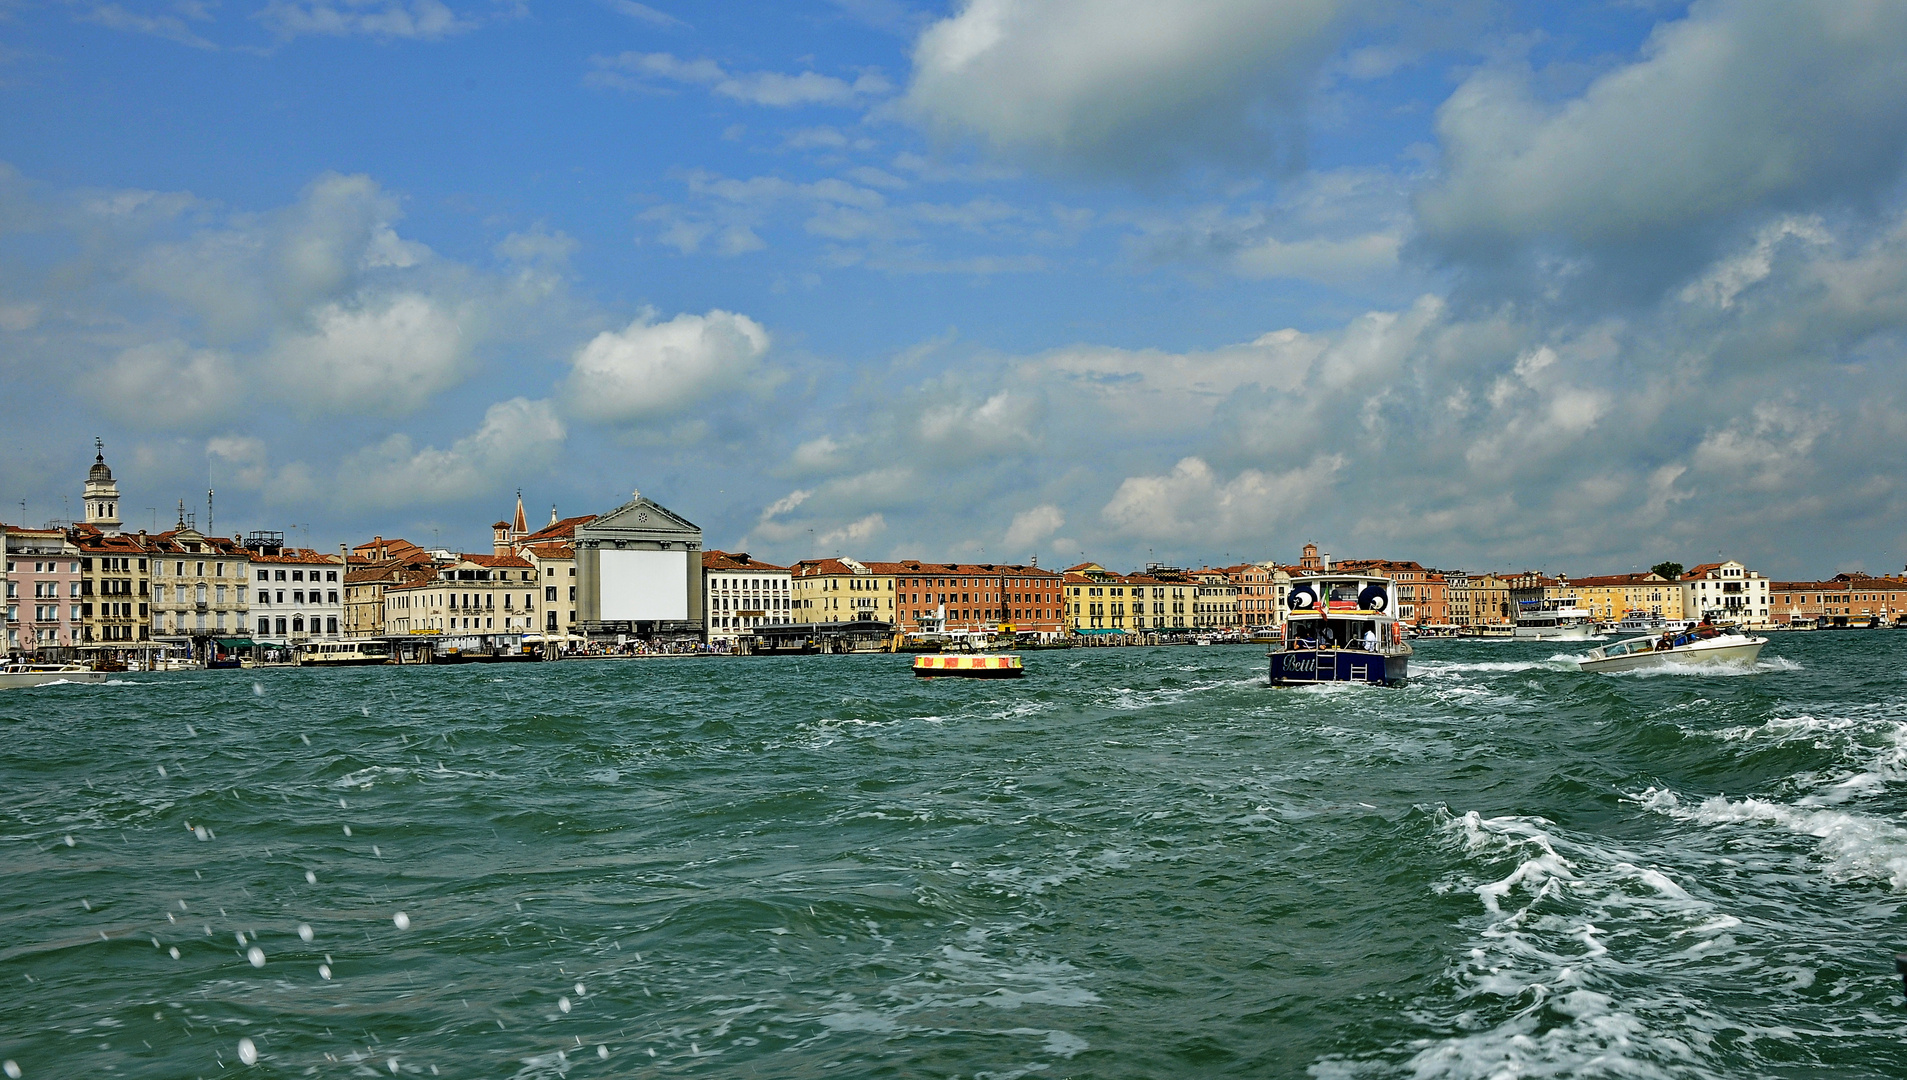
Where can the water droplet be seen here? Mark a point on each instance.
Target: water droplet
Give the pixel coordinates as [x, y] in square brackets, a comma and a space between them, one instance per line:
[579, 990]
[182, 905]
[341, 805]
[12, 1068]
[602, 1051]
[402, 921]
[69, 839]
[652, 1051]
[347, 830]
[247, 1053]
[562, 1004]
[324, 971]
[241, 939]
[304, 932]
[162, 770]
[393, 1064]
[87, 904]
[256, 955]
[306, 739]
[695, 1049]
[189, 731]
[258, 689]
[173, 952]
[201, 833]
[375, 850]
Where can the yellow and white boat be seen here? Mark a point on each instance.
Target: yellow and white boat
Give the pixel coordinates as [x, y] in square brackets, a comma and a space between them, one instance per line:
[968, 666]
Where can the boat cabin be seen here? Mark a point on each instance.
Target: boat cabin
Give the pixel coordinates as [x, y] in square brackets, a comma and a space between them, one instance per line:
[1340, 628]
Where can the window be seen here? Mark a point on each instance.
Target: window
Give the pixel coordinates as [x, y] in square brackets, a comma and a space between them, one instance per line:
[264, 575]
[281, 575]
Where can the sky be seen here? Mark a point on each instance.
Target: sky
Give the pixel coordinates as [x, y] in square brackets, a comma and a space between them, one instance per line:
[1504, 285]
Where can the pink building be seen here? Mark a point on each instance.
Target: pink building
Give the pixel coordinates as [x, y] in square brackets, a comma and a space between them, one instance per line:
[43, 591]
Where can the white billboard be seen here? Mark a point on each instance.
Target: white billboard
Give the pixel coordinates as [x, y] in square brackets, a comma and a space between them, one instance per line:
[642, 585]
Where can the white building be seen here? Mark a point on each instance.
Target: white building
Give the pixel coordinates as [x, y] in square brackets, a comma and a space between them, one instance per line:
[1725, 592]
[296, 596]
[639, 574]
[199, 586]
[741, 595]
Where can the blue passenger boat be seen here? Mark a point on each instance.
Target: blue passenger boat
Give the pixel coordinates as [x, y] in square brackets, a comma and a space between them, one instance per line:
[1340, 628]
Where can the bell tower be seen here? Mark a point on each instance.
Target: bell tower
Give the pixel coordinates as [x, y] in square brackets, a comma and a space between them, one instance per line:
[102, 494]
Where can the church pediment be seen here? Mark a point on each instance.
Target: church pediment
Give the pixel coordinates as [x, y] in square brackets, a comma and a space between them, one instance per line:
[641, 520]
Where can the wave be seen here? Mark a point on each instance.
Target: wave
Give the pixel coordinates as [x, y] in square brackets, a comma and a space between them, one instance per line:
[1854, 845]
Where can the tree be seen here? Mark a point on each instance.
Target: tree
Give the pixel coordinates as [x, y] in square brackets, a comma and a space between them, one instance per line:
[1668, 570]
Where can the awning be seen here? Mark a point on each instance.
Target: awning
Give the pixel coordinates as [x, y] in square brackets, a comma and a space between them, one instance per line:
[236, 643]
[1098, 630]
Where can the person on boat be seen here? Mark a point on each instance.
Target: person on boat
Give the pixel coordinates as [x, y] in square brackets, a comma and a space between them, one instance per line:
[1370, 639]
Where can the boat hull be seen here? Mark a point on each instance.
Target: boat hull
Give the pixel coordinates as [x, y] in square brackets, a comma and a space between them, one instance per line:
[14, 680]
[1305, 667]
[1740, 652]
[1554, 633]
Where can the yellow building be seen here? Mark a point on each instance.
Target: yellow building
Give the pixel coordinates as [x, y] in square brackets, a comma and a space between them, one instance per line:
[1611, 597]
[842, 590]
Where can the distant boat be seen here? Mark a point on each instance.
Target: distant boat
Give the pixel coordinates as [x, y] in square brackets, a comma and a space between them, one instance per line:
[21, 674]
[1559, 620]
[968, 666]
[1690, 647]
[1649, 622]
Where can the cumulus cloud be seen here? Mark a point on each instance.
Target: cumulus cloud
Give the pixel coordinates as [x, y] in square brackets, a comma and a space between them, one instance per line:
[635, 71]
[1737, 111]
[388, 357]
[169, 384]
[1192, 501]
[1029, 527]
[1130, 85]
[172, 27]
[516, 437]
[651, 371]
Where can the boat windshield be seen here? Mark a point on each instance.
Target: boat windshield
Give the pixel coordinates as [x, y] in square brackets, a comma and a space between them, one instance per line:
[1335, 633]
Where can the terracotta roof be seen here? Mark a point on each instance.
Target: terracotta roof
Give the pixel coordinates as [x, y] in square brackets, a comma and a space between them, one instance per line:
[560, 530]
[1694, 572]
[552, 551]
[722, 560]
[1637, 579]
[511, 561]
[296, 555]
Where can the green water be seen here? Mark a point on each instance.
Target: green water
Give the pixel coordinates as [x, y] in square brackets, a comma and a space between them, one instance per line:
[1133, 863]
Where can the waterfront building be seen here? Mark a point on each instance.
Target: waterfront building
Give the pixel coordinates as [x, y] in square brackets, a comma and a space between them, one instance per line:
[742, 594]
[373, 568]
[115, 586]
[1158, 601]
[199, 586]
[551, 551]
[1608, 598]
[42, 592]
[842, 590]
[1216, 604]
[1097, 599]
[471, 595]
[1423, 596]
[1725, 592]
[1480, 599]
[1529, 589]
[296, 594]
[1257, 594]
[1852, 599]
[639, 572]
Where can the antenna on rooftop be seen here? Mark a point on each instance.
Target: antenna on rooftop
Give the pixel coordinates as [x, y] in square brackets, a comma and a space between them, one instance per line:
[208, 511]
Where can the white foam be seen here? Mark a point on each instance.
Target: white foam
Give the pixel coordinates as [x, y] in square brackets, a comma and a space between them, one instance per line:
[1855, 845]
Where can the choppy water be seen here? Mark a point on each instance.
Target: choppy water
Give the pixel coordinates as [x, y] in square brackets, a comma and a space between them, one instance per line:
[1134, 863]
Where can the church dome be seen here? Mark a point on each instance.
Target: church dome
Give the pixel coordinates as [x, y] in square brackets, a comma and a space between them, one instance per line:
[99, 471]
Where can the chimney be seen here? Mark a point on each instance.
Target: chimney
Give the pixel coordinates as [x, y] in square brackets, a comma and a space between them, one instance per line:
[1327, 561]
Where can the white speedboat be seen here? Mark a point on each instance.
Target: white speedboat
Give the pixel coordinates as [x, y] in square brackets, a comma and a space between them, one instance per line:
[1555, 620]
[1649, 622]
[1690, 648]
[22, 674]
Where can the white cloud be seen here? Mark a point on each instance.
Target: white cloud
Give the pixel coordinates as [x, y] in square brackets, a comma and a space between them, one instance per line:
[169, 384]
[1736, 110]
[655, 371]
[517, 437]
[1029, 527]
[1192, 502]
[643, 12]
[171, 27]
[633, 70]
[388, 19]
[1121, 85]
[386, 357]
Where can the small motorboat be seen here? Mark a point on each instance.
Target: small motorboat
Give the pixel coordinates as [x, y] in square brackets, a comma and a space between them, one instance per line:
[1701, 646]
[21, 674]
[968, 666]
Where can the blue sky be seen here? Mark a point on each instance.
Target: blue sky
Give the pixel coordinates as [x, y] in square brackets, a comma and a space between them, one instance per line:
[1190, 280]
